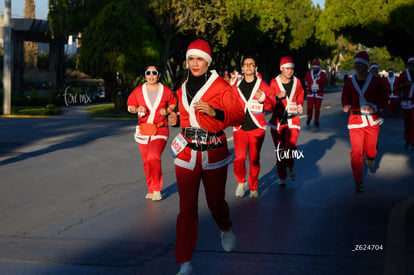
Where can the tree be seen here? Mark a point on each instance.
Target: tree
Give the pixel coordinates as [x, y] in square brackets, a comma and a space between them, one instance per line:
[30, 48]
[374, 23]
[118, 42]
[72, 16]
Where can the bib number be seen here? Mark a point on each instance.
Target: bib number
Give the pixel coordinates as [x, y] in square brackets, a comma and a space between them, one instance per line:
[292, 108]
[178, 145]
[315, 88]
[405, 104]
[256, 107]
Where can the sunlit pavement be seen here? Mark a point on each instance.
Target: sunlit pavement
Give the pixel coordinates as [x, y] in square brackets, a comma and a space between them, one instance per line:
[72, 202]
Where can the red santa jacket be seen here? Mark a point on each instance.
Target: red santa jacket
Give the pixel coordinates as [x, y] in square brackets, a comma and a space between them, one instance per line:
[407, 92]
[392, 85]
[219, 95]
[288, 103]
[139, 97]
[372, 94]
[315, 83]
[254, 107]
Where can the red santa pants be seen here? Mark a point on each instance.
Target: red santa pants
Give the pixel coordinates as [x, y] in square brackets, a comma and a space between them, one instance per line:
[363, 140]
[314, 102]
[392, 106]
[151, 158]
[252, 141]
[285, 141]
[409, 125]
[188, 182]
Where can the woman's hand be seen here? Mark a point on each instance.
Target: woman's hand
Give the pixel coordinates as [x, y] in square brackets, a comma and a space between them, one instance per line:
[132, 109]
[141, 109]
[163, 111]
[172, 119]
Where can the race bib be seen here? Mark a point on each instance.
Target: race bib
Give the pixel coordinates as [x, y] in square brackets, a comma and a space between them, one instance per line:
[178, 145]
[256, 107]
[404, 104]
[315, 88]
[365, 111]
[292, 108]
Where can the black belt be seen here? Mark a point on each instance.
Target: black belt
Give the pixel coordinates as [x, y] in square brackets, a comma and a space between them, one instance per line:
[200, 134]
[407, 98]
[362, 114]
[204, 147]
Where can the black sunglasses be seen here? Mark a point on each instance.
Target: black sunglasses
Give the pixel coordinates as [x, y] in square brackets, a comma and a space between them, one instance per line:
[151, 73]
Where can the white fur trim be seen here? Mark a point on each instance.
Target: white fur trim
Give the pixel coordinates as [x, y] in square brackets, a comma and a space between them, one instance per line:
[288, 65]
[199, 53]
[361, 60]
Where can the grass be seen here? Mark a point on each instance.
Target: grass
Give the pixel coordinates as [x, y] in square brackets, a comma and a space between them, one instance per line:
[107, 110]
[35, 110]
[103, 110]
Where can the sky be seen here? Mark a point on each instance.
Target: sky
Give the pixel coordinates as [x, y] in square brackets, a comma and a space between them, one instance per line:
[17, 8]
[42, 7]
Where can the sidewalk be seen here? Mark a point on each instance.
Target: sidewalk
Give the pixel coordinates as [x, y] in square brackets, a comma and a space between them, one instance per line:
[74, 112]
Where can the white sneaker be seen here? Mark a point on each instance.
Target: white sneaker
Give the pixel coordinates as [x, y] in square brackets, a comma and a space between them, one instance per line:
[240, 190]
[228, 240]
[282, 182]
[254, 194]
[148, 196]
[291, 174]
[185, 269]
[156, 196]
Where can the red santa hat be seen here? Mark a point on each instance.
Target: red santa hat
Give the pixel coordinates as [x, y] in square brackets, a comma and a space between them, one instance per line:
[390, 70]
[200, 48]
[316, 64]
[410, 59]
[372, 66]
[287, 62]
[362, 57]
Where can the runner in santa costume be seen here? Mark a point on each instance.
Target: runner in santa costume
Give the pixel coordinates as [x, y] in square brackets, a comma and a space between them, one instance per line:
[255, 97]
[207, 105]
[285, 123]
[151, 101]
[374, 69]
[407, 102]
[392, 85]
[315, 80]
[363, 96]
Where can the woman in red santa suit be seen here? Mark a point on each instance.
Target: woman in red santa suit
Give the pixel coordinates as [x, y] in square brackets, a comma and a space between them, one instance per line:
[315, 80]
[407, 102]
[255, 97]
[151, 102]
[285, 123]
[207, 106]
[363, 96]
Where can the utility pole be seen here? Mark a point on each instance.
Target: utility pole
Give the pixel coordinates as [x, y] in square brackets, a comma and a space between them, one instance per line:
[7, 63]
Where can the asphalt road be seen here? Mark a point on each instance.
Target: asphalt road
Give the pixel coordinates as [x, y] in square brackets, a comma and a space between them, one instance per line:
[72, 202]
